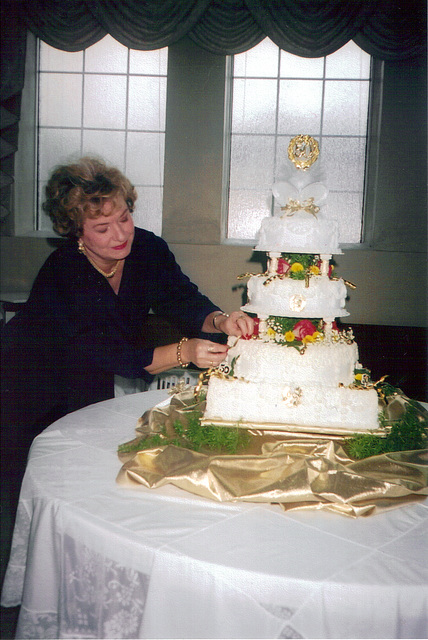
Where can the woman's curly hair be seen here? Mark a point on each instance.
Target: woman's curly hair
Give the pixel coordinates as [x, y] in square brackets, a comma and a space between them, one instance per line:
[78, 191]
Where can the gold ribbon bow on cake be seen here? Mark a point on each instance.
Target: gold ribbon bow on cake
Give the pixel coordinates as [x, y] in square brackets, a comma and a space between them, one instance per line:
[292, 199]
[294, 205]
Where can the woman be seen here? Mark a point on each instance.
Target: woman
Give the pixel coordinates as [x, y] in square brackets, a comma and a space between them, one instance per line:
[87, 317]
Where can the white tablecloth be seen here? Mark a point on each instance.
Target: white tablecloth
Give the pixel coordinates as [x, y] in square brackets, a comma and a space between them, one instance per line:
[91, 559]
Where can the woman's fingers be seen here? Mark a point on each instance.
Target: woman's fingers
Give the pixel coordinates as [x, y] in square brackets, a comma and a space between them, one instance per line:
[204, 353]
[237, 324]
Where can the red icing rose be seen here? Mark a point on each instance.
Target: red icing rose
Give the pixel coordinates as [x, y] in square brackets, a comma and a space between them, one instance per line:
[283, 266]
[303, 328]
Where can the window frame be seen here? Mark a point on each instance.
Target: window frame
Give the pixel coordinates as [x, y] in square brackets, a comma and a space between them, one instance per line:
[183, 87]
[371, 158]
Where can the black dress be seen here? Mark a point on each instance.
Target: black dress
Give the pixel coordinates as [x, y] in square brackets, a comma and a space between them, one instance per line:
[62, 350]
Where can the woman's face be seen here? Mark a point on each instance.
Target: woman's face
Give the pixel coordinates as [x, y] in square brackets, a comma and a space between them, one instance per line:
[109, 237]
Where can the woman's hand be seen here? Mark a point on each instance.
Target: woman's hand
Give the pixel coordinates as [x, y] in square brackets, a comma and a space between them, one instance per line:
[236, 324]
[203, 353]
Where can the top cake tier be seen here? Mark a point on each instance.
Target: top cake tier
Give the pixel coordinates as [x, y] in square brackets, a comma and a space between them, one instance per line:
[300, 233]
[299, 225]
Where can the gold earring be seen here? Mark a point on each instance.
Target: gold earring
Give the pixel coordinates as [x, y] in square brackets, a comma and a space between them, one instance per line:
[81, 246]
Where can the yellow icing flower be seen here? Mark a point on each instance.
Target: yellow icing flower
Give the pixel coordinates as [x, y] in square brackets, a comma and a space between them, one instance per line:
[296, 266]
[358, 376]
[271, 333]
[308, 338]
[290, 337]
[316, 334]
[314, 269]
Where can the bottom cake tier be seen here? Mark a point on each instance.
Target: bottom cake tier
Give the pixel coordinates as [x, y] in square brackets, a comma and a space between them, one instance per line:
[233, 401]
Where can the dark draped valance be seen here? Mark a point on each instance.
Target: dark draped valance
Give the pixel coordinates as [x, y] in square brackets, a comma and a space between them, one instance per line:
[391, 30]
[388, 29]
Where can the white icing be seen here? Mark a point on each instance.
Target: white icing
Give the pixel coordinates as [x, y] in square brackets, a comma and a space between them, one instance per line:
[324, 298]
[283, 192]
[299, 233]
[322, 364]
[340, 407]
[275, 383]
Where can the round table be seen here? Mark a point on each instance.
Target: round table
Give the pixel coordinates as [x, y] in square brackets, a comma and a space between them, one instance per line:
[92, 559]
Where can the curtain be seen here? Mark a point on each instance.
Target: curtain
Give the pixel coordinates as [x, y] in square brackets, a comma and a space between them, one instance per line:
[390, 29]
[387, 29]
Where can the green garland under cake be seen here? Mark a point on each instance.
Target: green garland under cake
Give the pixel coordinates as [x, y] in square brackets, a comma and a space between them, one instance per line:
[408, 433]
[194, 436]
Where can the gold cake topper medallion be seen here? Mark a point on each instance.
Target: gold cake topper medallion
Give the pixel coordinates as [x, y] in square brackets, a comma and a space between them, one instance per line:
[303, 151]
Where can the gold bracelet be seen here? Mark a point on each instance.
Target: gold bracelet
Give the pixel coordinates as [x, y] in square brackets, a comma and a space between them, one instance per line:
[221, 313]
[182, 364]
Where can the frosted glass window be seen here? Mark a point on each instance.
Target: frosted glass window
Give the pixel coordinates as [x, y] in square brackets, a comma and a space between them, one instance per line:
[106, 56]
[104, 104]
[351, 98]
[252, 158]
[149, 62]
[149, 203]
[258, 62]
[147, 102]
[296, 67]
[254, 105]
[349, 62]
[106, 144]
[299, 107]
[324, 97]
[52, 59]
[254, 205]
[60, 100]
[144, 157]
[55, 143]
[108, 101]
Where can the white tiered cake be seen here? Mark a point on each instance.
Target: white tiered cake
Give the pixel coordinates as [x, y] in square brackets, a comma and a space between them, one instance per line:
[298, 370]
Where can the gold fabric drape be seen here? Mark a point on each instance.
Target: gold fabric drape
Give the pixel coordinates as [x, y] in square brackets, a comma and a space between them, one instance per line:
[293, 470]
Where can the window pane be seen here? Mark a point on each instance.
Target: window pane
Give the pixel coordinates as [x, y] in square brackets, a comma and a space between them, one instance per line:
[259, 62]
[147, 103]
[348, 62]
[296, 67]
[323, 97]
[148, 206]
[343, 162]
[149, 62]
[250, 207]
[60, 100]
[106, 56]
[350, 99]
[300, 106]
[109, 145]
[52, 59]
[254, 106]
[105, 102]
[55, 147]
[103, 112]
[346, 207]
[252, 160]
[144, 158]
